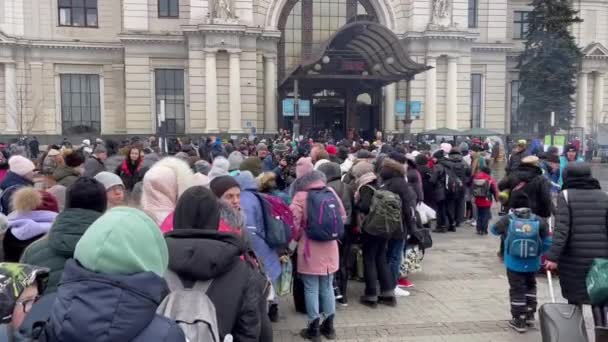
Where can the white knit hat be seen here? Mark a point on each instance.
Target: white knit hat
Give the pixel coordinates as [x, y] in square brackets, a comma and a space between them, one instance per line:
[20, 165]
[109, 179]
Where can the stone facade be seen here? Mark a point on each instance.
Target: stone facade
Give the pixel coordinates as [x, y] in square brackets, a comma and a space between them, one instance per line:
[230, 64]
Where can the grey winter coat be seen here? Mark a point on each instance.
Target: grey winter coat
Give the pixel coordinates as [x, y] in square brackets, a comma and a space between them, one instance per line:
[581, 233]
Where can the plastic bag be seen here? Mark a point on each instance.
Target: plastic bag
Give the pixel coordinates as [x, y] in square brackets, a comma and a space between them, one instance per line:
[285, 282]
[427, 211]
[597, 282]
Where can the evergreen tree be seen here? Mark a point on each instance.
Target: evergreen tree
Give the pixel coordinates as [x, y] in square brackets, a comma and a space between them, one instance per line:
[549, 65]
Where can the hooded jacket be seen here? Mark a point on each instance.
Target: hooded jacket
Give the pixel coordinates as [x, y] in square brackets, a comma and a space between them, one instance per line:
[426, 173]
[392, 179]
[537, 188]
[515, 160]
[581, 231]
[458, 166]
[65, 175]
[124, 308]
[314, 257]
[254, 221]
[162, 186]
[10, 184]
[93, 166]
[58, 246]
[203, 254]
[24, 229]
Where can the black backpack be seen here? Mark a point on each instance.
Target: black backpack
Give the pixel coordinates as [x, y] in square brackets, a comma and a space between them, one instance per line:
[453, 183]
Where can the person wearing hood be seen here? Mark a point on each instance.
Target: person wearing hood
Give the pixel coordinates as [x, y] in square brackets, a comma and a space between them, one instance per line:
[33, 214]
[454, 199]
[219, 167]
[95, 163]
[198, 252]
[316, 261]
[85, 202]
[438, 182]
[130, 170]
[162, 186]
[235, 159]
[392, 175]
[571, 155]
[69, 172]
[528, 177]
[516, 157]
[580, 236]
[333, 174]
[118, 272]
[21, 173]
[428, 191]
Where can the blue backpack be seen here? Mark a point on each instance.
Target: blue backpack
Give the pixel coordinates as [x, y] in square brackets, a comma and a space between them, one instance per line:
[324, 216]
[523, 237]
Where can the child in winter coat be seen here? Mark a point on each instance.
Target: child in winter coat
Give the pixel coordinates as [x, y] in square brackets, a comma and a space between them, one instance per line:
[520, 228]
[484, 190]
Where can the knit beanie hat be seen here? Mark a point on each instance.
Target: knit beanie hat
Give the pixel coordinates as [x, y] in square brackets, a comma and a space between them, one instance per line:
[303, 167]
[446, 147]
[235, 159]
[20, 165]
[519, 200]
[109, 179]
[332, 150]
[253, 165]
[86, 193]
[220, 185]
[100, 149]
[202, 166]
[123, 241]
[261, 147]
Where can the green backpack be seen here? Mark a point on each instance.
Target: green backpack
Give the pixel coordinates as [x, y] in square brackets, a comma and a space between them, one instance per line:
[384, 218]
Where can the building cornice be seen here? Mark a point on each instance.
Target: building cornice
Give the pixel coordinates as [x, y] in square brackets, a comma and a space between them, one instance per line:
[231, 29]
[440, 35]
[151, 38]
[492, 47]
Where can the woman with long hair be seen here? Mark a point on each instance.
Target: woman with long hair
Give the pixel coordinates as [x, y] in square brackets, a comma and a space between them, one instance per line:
[130, 169]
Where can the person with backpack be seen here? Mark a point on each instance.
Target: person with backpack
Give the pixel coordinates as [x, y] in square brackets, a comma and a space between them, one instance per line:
[85, 201]
[20, 173]
[392, 176]
[457, 176]
[581, 235]
[528, 178]
[526, 238]
[333, 175]
[484, 190]
[437, 180]
[319, 219]
[118, 272]
[200, 256]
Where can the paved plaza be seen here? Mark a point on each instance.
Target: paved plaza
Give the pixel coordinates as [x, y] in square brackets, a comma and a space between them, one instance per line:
[461, 295]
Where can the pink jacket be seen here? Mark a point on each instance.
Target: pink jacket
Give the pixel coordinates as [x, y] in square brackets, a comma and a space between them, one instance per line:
[321, 258]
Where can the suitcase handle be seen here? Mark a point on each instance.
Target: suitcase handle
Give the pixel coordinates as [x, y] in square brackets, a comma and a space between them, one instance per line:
[549, 275]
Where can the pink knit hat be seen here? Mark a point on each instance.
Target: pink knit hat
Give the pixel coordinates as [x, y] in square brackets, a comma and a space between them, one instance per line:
[20, 165]
[303, 167]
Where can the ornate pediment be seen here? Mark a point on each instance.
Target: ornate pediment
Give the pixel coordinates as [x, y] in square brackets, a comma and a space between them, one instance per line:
[595, 50]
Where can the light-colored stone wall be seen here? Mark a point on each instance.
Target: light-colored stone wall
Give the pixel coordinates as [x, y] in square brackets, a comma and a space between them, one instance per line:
[157, 24]
[2, 97]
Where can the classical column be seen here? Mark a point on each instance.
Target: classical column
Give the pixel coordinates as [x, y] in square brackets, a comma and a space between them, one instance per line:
[10, 97]
[581, 100]
[598, 99]
[119, 100]
[389, 108]
[270, 99]
[236, 125]
[211, 91]
[451, 112]
[430, 98]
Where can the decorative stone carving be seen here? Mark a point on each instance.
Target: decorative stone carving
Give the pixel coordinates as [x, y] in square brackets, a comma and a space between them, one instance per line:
[441, 14]
[223, 12]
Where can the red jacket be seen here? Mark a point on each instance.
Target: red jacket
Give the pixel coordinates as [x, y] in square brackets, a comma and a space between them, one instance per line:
[485, 202]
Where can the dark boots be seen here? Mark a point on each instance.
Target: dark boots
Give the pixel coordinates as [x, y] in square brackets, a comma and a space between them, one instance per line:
[273, 312]
[327, 328]
[312, 332]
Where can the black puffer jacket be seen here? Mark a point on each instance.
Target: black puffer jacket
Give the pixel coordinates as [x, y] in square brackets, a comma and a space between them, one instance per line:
[392, 176]
[458, 166]
[581, 233]
[515, 160]
[537, 188]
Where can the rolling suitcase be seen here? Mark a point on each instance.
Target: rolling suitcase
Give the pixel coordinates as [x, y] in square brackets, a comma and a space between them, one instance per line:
[561, 322]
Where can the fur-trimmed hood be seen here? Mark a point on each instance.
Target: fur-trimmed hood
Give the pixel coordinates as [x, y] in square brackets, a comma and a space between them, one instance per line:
[391, 169]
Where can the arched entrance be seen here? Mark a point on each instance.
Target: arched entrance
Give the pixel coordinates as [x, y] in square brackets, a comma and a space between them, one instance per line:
[342, 77]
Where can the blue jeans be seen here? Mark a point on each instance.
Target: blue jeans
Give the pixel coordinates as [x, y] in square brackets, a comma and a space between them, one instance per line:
[483, 219]
[319, 291]
[395, 257]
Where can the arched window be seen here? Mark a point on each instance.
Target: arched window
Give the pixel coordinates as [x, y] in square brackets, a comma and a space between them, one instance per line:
[307, 24]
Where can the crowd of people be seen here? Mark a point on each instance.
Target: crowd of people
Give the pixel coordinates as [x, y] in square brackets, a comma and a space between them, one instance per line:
[134, 232]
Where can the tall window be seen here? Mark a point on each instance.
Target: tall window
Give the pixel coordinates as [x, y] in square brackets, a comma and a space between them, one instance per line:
[80, 13]
[520, 24]
[518, 122]
[472, 13]
[168, 8]
[170, 88]
[476, 100]
[80, 104]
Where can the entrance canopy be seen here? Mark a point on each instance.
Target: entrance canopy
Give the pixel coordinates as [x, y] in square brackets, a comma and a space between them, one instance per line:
[361, 51]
